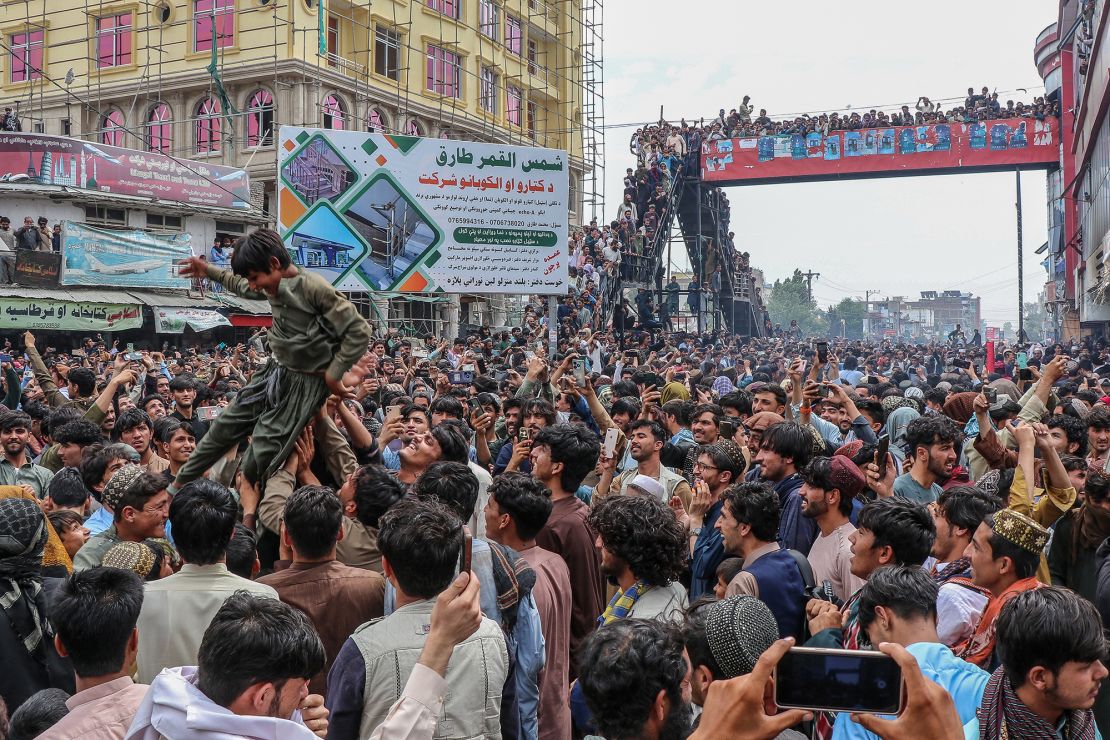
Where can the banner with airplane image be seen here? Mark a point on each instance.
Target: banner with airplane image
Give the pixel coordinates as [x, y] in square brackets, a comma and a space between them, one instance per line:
[123, 258]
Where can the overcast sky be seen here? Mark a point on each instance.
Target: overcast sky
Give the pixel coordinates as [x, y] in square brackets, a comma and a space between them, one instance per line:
[897, 236]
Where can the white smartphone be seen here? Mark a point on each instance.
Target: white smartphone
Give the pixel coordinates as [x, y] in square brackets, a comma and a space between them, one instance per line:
[610, 442]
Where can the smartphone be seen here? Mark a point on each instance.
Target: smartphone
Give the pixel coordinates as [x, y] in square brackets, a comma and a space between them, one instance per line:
[1022, 360]
[880, 454]
[130, 347]
[1025, 374]
[208, 413]
[610, 442]
[467, 551]
[838, 681]
[728, 429]
[822, 352]
[991, 395]
[393, 411]
[523, 434]
[5, 357]
[580, 372]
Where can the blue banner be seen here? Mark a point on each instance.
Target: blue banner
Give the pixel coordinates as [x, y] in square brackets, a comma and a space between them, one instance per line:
[122, 259]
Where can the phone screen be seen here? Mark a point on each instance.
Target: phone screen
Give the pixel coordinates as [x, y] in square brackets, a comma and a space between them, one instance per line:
[839, 681]
[822, 352]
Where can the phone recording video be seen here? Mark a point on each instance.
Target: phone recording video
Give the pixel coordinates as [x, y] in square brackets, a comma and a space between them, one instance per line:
[839, 681]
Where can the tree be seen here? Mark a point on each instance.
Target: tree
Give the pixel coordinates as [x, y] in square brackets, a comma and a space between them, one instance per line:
[790, 301]
[852, 313]
[1035, 318]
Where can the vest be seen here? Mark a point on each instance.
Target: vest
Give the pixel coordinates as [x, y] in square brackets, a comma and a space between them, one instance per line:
[781, 589]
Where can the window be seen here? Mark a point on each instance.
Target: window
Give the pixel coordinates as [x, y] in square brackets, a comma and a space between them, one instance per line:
[334, 112]
[333, 41]
[111, 128]
[260, 119]
[213, 22]
[113, 40]
[67, 127]
[514, 35]
[207, 127]
[230, 228]
[450, 8]
[488, 16]
[158, 129]
[444, 74]
[487, 98]
[413, 128]
[531, 108]
[25, 57]
[163, 222]
[531, 57]
[375, 121]
[39, 128]
[101, 216]
[513, 99]
[387, 53]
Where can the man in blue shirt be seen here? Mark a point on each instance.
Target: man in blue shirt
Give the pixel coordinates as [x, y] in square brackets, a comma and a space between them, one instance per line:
[898, 604]
[717, 467]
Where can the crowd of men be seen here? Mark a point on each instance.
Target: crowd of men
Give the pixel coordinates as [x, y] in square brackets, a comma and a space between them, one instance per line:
[32, 236]
[328, 533]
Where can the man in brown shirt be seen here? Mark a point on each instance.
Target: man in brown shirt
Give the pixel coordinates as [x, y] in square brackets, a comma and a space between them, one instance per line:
[517, 509]
[336, 597]
[561, 456]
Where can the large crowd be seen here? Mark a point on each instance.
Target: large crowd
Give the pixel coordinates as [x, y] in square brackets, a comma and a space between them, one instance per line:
[322, 532]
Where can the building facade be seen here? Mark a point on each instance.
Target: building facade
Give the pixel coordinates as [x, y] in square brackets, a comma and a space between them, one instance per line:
[212, 80]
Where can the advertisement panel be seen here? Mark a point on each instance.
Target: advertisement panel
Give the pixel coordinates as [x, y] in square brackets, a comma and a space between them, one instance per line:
[122, 259]
[1001, 143]
[24, 313]
[60, 160]
[174, 320]
[37, 269]
[371, 212]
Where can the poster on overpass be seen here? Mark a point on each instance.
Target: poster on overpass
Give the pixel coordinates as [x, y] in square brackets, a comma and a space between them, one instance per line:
[895, 150]
[374, 212]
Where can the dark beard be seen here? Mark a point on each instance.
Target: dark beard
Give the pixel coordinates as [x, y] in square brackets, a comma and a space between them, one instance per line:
[679, 724]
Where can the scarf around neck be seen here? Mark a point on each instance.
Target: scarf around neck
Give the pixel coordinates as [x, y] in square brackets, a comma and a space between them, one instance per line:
[622, 602]
[1003, 716]
[1090, 527]
[22, 539]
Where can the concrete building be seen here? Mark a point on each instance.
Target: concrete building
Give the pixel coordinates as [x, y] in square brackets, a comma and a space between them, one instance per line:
[948, 308]
[211, 80]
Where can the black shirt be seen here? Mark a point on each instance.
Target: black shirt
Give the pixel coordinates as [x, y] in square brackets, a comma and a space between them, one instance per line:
[200, 428]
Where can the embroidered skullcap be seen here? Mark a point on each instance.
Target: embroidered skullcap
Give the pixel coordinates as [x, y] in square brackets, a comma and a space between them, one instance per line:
[739, 629]
[849, 449]
[1020, 530]
[734, 452]
[133, 556]
[816, 440]
[915, 393]
[846, 476]
[648, 485]
[989, 482]
[120, 481]
[893, 402]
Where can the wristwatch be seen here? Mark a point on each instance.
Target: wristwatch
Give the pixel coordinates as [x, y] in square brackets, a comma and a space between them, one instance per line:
[695, 531]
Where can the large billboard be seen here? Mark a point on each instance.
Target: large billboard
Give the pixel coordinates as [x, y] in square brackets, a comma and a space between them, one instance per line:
[123, 259]
[900, 149]
[371, 212]
[36, 313]
[60, 160]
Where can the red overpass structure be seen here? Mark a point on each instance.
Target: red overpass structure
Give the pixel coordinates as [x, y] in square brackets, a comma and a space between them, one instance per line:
[936, 149]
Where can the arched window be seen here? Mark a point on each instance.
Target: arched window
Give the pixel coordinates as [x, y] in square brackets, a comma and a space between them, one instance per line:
[111, 128]
[413, 128]
[158, 136]
[260, 119]
[207, 128]
[375, 121]
[334, 112]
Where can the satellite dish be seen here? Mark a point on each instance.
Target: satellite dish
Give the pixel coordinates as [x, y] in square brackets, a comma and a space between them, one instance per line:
[70, 76]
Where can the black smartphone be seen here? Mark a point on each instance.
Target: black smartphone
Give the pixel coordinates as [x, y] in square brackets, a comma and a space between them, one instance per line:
[467, 550]
[728, 429]
[838, 681]
[822, 352]
[880, 454]
[991, 394]
[1025, 374]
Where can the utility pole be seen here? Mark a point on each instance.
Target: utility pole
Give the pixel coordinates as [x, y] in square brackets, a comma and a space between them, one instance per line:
[1021, 280]
[809, 282]
[867, 311]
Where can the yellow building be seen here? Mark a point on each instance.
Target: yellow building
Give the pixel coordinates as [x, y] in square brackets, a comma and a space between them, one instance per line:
[211, 80]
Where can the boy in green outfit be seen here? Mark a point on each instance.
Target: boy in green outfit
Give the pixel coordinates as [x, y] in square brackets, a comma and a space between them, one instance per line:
[316, 337]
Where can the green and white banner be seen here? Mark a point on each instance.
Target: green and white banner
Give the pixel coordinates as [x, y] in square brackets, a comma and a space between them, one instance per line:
[376, 212]
[174, 320]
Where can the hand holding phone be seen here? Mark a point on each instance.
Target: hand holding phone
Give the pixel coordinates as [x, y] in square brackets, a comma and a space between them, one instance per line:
[610, 446]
